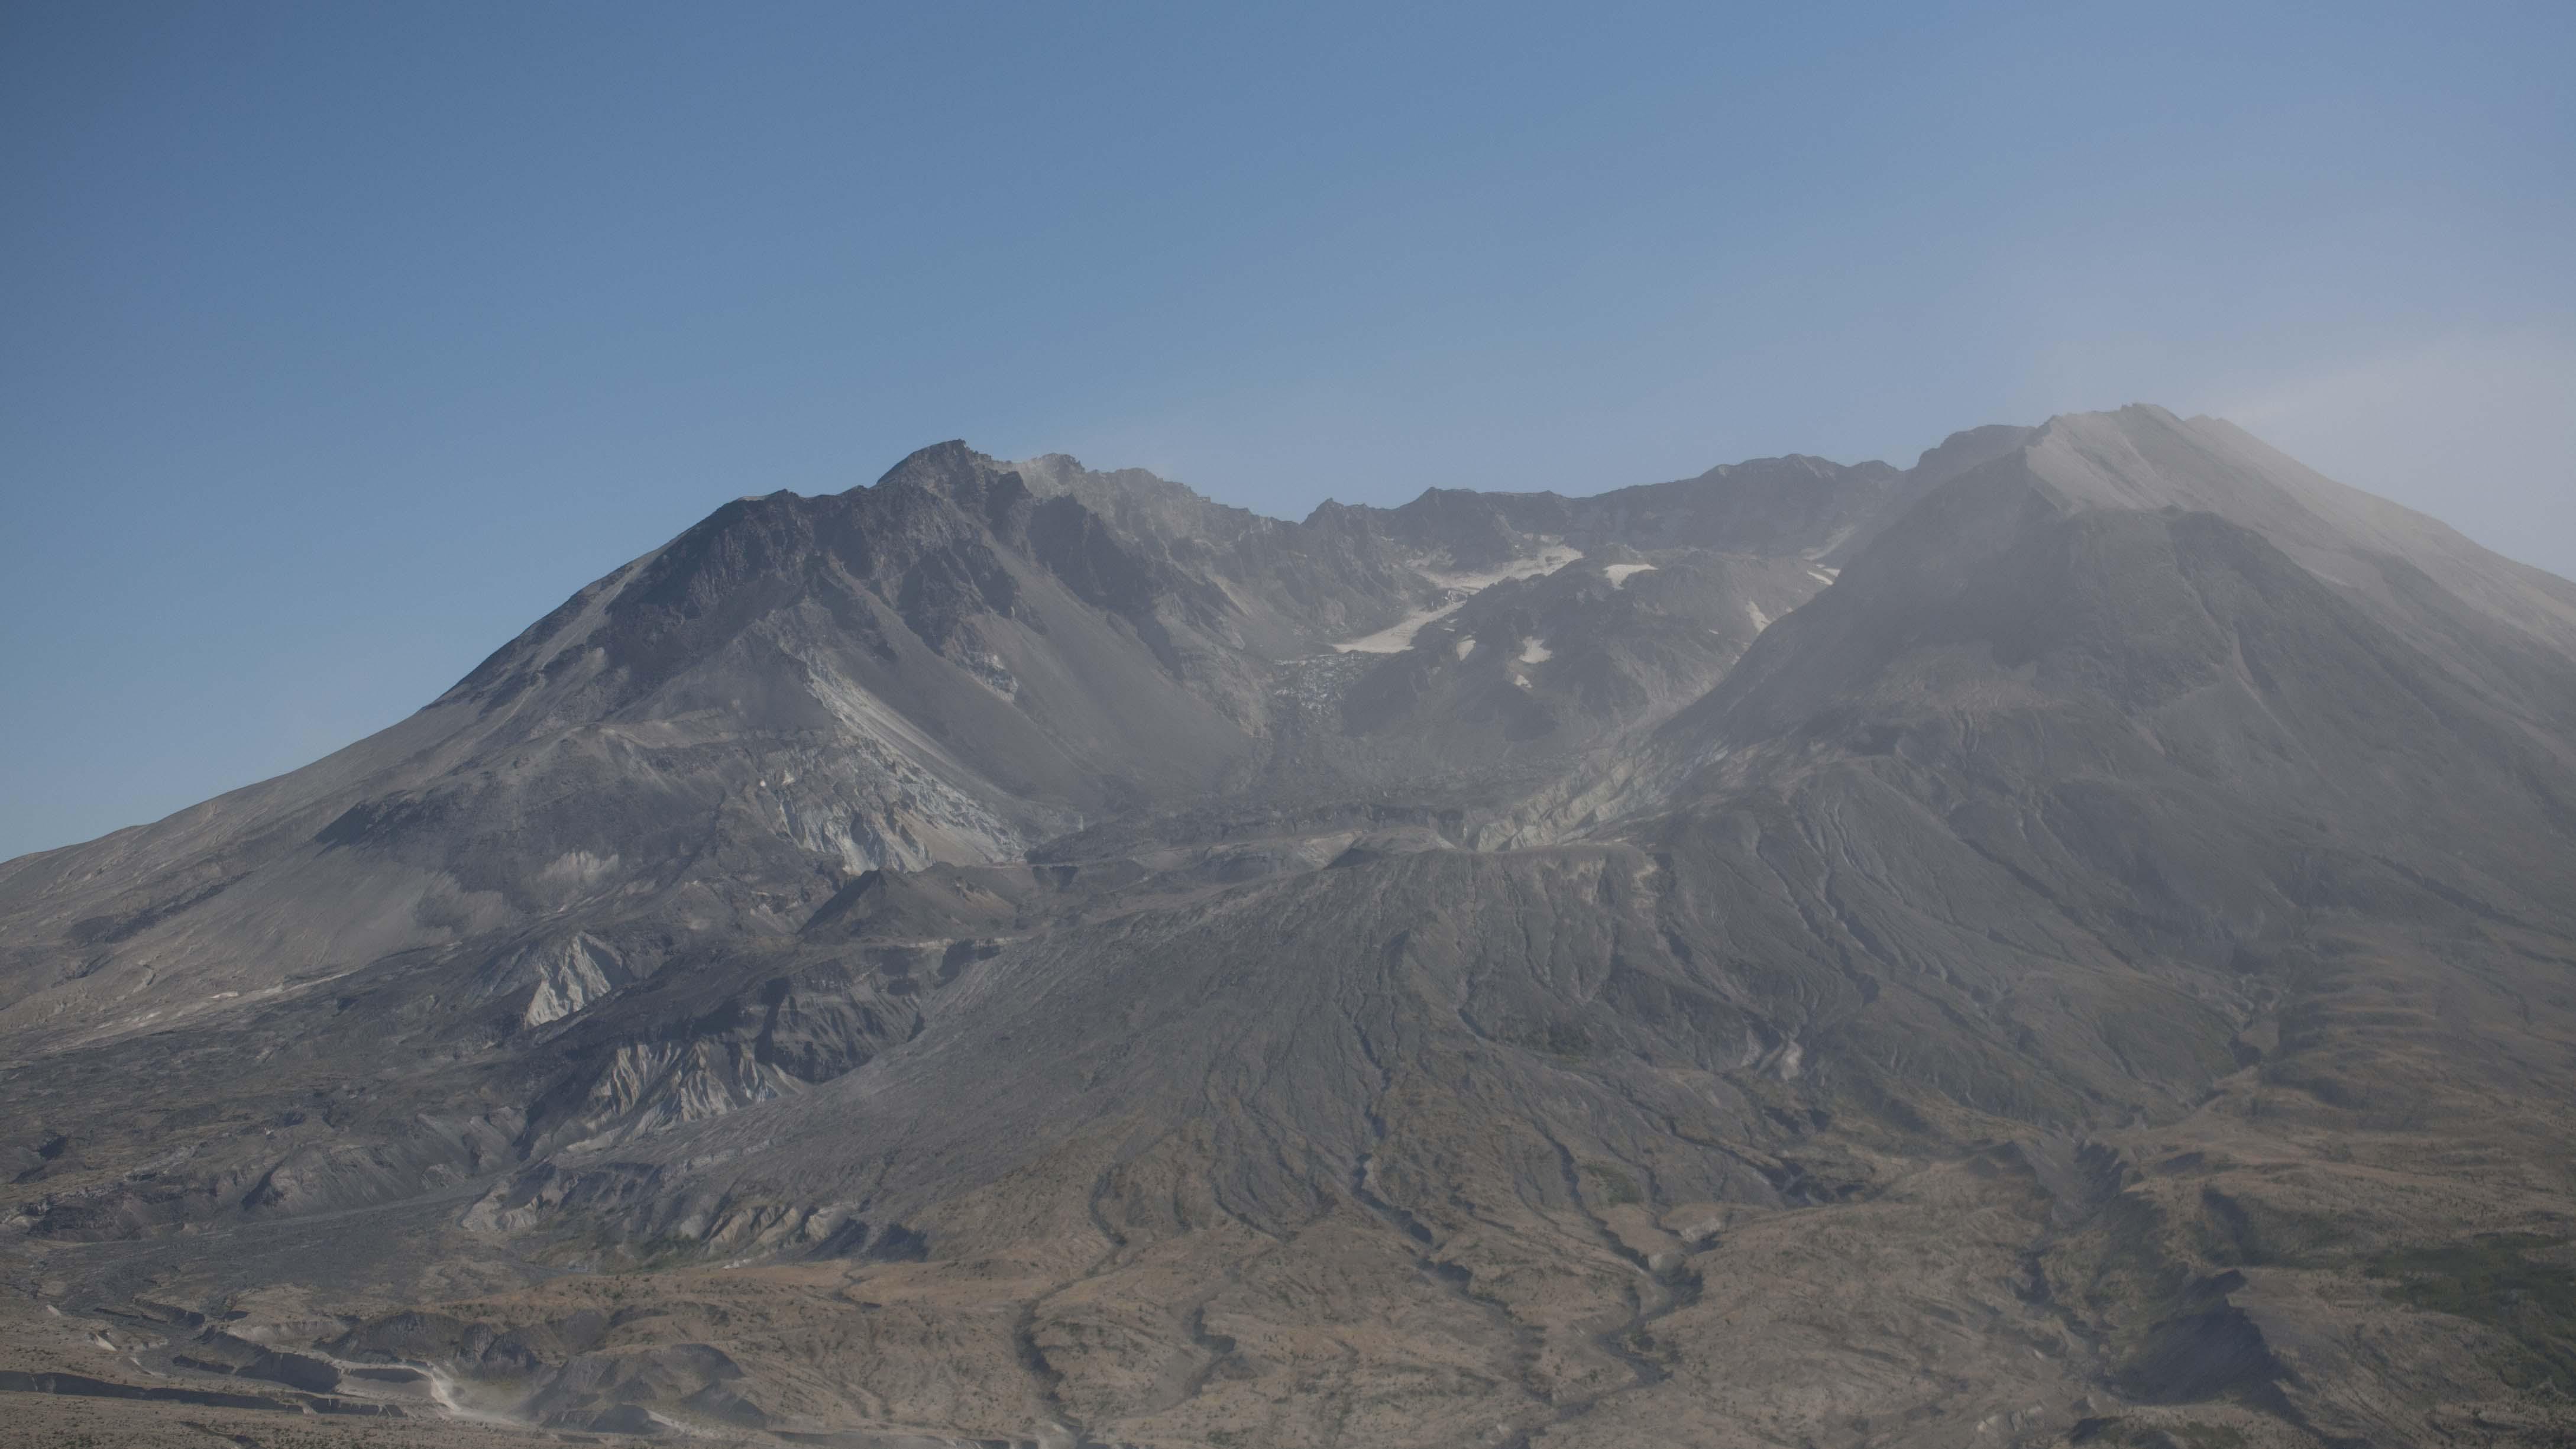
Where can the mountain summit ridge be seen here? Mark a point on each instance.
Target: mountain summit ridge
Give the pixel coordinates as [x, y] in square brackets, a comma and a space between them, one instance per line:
[1991, 943]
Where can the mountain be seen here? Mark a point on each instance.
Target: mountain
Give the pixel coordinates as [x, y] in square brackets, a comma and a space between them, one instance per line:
[2065, 942]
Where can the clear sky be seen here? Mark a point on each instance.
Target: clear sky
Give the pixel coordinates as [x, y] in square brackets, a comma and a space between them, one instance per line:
[339, 342]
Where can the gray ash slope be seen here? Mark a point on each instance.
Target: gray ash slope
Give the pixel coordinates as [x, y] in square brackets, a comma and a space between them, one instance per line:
[2092, 864]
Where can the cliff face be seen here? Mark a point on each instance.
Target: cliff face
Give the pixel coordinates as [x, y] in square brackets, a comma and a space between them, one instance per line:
[2066, 939]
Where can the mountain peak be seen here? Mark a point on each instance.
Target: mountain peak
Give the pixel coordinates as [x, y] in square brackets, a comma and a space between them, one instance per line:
[940, 467]
[1061, 926]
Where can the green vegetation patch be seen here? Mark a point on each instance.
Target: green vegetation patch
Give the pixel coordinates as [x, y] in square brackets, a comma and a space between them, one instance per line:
[1566, 1041]
[2246, 1232]
[1617, 1188]
[667, 1250]
[2122, 1434]
[2499, 1280]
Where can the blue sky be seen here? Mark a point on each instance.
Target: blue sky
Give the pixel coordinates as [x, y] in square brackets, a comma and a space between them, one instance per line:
[339, 342]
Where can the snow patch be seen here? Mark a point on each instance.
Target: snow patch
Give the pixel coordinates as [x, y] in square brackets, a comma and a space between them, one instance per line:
[1823, 576]
[1619, 574]
[1753, 611]
[1535, 651]
[1546, 561]
[1398, 636]
[1466, 647]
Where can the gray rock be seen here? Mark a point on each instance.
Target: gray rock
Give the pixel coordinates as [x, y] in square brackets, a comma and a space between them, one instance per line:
[1115, 944]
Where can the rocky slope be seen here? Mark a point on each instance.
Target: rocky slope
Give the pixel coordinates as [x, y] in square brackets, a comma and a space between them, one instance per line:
[2068, 942]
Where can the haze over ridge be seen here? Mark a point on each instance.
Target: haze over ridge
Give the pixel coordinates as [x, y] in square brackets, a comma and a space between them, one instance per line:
[345, 340]
[1025, 954]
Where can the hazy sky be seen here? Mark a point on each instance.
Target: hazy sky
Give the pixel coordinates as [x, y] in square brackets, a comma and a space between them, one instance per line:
[338, 343]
